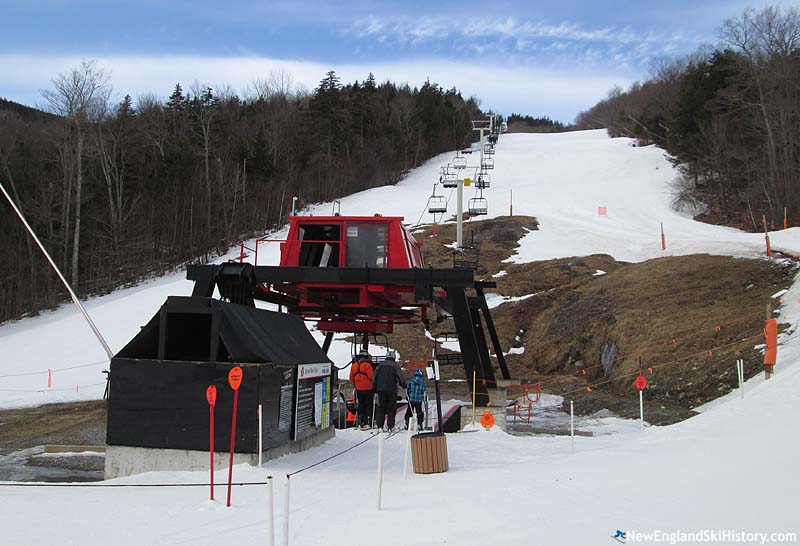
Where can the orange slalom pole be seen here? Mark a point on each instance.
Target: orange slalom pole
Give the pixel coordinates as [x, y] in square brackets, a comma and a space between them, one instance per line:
[663, 238]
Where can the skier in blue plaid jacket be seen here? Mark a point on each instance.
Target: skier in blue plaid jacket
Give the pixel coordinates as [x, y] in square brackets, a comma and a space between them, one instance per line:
[416, 390]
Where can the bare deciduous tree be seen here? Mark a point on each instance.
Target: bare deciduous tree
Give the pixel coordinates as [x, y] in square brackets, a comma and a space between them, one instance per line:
[79, 96]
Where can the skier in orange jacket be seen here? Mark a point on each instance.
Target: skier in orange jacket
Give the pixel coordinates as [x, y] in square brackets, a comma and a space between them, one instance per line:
[361, 373]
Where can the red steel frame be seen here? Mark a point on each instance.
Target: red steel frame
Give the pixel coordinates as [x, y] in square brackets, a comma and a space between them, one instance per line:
[365, 307]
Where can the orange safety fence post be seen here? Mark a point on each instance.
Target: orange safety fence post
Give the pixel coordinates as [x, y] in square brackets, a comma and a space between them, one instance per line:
[771, 354]
[49, 378]
[766, 235]
[785, 219]
[663, 238]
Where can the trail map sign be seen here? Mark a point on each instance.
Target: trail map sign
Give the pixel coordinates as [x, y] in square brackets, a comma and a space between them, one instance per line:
[286, 409]
[312, 399]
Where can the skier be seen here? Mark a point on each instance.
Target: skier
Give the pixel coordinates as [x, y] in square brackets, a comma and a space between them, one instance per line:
[416, 390]
[361, 374]
[387, 377]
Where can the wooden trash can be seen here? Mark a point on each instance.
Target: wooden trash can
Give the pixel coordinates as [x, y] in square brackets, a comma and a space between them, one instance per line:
[429, 453]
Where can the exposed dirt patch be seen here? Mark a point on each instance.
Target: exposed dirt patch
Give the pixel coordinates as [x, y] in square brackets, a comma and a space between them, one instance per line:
[81, 423]
[495, 240]
[687, 318]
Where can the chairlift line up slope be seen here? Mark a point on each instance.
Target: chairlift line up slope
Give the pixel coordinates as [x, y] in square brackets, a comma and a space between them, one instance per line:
[561, 179]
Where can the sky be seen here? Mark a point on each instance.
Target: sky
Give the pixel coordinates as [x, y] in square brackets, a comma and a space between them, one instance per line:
[530, 57]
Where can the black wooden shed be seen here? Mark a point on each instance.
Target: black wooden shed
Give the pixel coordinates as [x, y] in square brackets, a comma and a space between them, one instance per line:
[157, 397]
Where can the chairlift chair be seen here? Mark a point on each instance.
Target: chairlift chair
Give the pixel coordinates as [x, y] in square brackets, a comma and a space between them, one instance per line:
[488, 163]
[437, 204]
[483, 181]
[449, 180]
[488, 149]
[478, 206]
[460, 162]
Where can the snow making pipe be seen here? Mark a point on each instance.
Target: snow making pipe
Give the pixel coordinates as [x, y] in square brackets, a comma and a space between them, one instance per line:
[72, 294]
[381, 441]
[286, 512]
[270, 513]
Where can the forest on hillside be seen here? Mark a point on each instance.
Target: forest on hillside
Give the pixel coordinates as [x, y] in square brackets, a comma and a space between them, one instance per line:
[120, 190]
[729, 116]
[518, 123]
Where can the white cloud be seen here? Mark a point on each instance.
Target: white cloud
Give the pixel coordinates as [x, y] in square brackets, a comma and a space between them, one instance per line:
[526, 89]
[404, 28]
[510, 35]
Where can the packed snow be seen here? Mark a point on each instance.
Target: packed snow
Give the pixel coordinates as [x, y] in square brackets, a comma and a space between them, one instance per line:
[730, 468]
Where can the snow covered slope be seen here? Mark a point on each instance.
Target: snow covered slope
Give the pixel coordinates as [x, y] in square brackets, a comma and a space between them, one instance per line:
[730, 468]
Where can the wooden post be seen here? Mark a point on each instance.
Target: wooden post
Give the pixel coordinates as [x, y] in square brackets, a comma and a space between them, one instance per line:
[766, 235]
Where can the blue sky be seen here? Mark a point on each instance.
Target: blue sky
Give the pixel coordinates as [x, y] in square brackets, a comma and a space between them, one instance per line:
[541, 58]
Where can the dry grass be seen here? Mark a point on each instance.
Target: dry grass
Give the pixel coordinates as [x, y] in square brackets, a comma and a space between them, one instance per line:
[606, 324]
